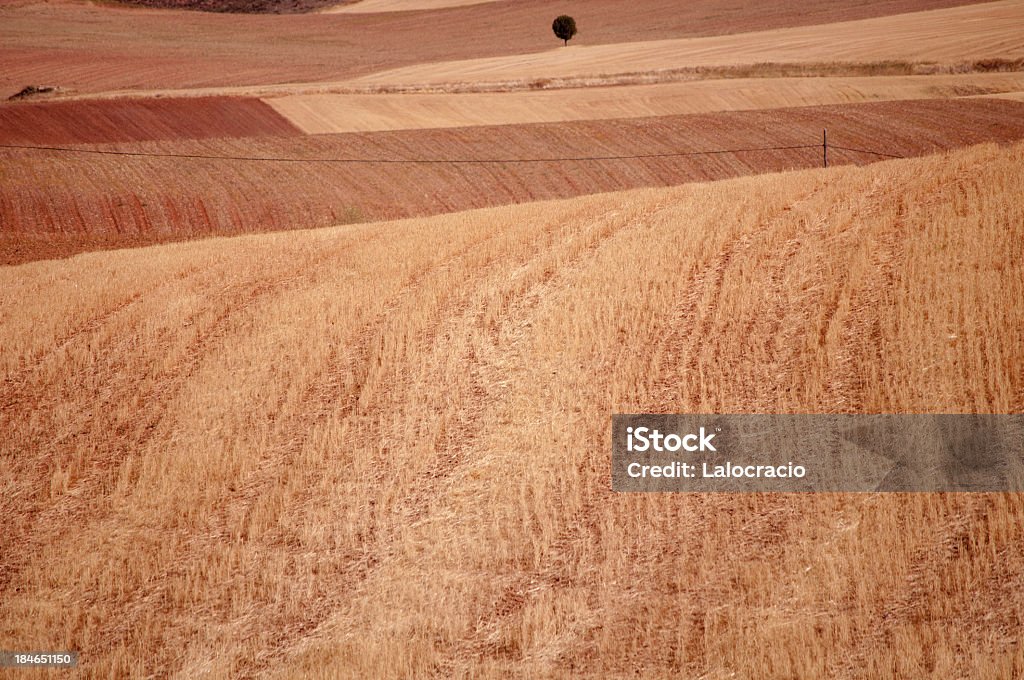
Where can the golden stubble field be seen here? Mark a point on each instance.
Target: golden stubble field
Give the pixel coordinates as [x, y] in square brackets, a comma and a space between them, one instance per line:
[383, 450]
[339, 113]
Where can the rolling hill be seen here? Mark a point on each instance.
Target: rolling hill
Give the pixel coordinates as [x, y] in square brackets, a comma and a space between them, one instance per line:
[948, 36]
[57, 203]
[314, 315]
[382, 450]
[85, 48]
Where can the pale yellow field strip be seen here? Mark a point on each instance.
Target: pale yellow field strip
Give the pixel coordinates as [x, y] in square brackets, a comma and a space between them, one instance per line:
[990, 30]
[333, 113]
[376, 6]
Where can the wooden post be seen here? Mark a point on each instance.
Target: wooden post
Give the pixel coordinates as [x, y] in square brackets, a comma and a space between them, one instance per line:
[824, 147]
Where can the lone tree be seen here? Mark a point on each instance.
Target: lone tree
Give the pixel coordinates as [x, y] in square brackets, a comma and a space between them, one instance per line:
[564, 27]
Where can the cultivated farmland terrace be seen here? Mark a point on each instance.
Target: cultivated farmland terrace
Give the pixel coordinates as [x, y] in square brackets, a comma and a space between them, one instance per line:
[320, 321]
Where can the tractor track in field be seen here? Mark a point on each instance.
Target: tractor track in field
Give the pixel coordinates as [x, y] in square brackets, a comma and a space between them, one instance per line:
[55, 517]
[694, 511]
[325, 397]
[18, 375]
[464, 315]
[514, 596]
[769, 531]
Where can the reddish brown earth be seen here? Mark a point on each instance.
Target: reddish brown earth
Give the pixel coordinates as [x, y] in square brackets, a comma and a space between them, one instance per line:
[662, 10]
[240, 6]
[86, 48]
[137, 120]
[55, 204]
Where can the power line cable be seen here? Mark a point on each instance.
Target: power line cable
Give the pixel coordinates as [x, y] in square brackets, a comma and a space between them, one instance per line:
[282, 159]
[431, 161]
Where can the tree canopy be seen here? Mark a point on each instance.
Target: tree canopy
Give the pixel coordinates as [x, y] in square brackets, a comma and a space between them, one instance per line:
[564, 27]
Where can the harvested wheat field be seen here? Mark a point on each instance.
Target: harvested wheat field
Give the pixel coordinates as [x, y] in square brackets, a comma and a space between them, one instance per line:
[381, 450]
[88, 48]
[53, 204]
[943, 36]
[330, 113]
[315, 316]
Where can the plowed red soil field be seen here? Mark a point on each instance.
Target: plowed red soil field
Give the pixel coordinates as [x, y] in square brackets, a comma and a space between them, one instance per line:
[54, 204]
[136, 120]
[86, 48]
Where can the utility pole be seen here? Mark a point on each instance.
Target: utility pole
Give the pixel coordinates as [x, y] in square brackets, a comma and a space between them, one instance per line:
[824, 147]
